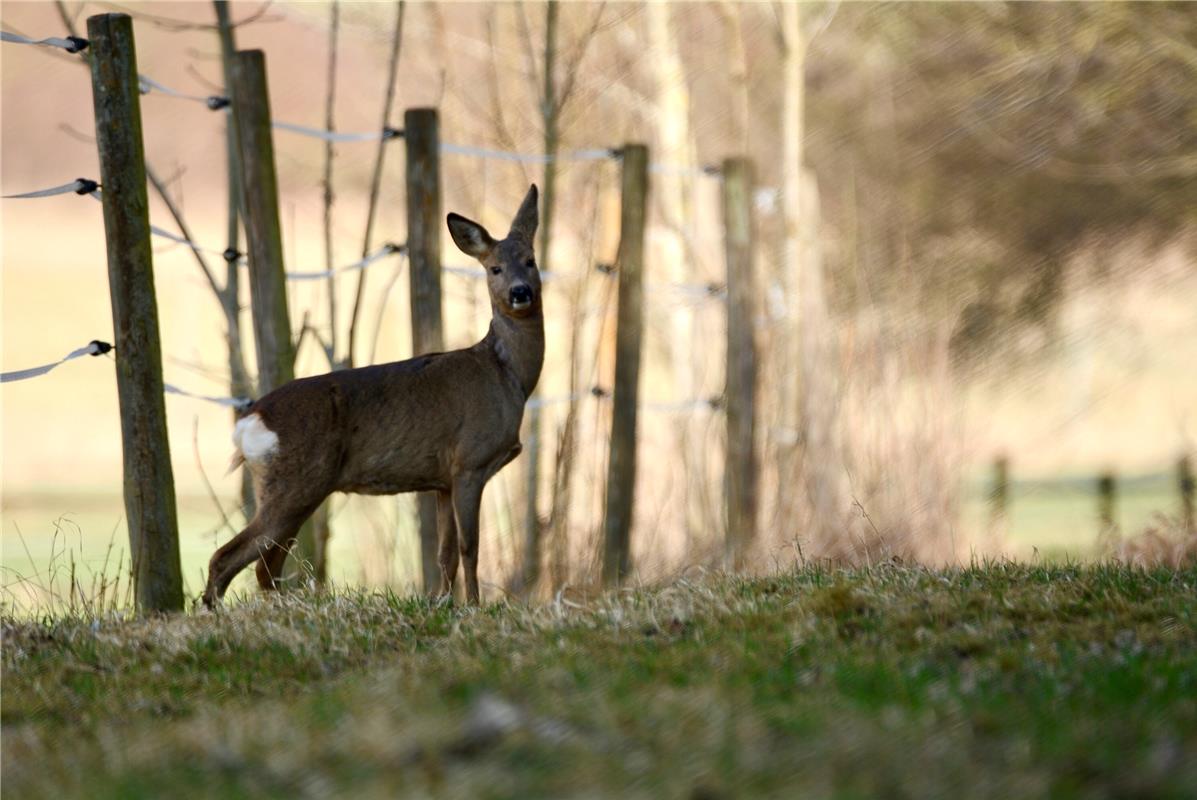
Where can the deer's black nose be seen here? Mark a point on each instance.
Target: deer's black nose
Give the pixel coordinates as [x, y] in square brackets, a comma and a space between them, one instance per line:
[521, 295]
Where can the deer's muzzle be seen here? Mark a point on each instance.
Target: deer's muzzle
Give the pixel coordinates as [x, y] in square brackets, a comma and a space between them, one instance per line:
[521, 296]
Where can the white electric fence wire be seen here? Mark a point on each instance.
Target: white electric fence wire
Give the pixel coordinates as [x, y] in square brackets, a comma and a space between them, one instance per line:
[147, 84]
[544, 402]
[74, 186]
[382, 252]
[475, 272]
[228, 402]
[71, 46]
[682, 407]
[174, 237]
[681, 169]
[91, 349]
[463, 272]
[600, 154]
[96, 348]
[154, 229]
[335, 136]
[77, 186]
[526, 158]
[216, 102]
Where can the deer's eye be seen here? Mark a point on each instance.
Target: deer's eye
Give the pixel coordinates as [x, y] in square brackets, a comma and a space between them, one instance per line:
[530, 264]
[495, 270]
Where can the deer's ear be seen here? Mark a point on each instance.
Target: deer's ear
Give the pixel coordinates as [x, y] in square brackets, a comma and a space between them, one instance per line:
[528, 217]
[470, 237]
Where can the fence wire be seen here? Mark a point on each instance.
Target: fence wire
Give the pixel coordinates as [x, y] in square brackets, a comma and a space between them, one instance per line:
[92, 348]
[72, 44]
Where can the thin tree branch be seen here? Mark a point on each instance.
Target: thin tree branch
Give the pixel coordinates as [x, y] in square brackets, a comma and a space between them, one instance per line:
[573, 68]
[224, 519]
[160, 188]
[376, 179]
[179, 25]
[329, 150]
[529, 52]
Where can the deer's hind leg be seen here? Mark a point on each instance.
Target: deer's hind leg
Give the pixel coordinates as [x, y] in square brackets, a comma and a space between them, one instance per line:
[267, 537]
[270, 566]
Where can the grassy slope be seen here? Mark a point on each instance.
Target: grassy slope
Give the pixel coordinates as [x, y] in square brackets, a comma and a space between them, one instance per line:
[989, 682]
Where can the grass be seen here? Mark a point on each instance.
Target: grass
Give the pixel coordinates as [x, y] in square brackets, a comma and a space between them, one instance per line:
[895, 681]
[1057, 518]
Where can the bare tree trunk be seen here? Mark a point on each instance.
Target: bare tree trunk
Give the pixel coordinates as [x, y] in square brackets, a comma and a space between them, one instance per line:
[675, 144]
[737, 67]
[792, 133]
[815, 365]
[550, 111]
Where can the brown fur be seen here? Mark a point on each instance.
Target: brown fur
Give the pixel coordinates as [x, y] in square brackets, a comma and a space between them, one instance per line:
[443, 422]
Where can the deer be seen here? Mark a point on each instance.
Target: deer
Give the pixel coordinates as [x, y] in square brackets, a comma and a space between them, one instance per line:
[439, 422]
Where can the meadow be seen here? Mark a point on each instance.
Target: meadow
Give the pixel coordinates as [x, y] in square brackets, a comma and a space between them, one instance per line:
[994, 680]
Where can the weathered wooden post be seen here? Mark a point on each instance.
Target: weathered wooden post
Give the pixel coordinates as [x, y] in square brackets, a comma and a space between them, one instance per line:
[621, 465]
[999, 492]
[148, 479]
[1185, 482]
[267, 279]
[1105, 501]
[422, 134]
[263, 233]
[740, 473]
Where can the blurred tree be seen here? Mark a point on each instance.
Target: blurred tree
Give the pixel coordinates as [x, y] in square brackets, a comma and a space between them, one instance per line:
[991, 140]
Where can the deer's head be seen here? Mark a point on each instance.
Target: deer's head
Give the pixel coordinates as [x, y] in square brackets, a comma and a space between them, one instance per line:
[511, 273]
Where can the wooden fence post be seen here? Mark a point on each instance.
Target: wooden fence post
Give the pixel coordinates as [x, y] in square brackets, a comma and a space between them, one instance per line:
[422, 135]
[740, 473]
[148, 479]
[264, 240]
[1186, 483]
[267, 279]
[1105, 501]
[621, 466]
[999, 492]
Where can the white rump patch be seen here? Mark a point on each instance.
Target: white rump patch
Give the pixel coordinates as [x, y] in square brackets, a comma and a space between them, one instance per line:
[255, 441]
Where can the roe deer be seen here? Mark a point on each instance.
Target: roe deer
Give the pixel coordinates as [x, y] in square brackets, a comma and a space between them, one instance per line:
[443, 422]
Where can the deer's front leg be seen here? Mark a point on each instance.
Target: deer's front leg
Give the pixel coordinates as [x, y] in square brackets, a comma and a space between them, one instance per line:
[467, 499]
[446, 527]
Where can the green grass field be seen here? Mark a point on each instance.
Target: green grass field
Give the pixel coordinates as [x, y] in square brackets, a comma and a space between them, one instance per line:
[998, 681]
[1057, 519]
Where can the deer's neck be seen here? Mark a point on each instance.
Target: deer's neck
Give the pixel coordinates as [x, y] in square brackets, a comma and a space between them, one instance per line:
[519, 346]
